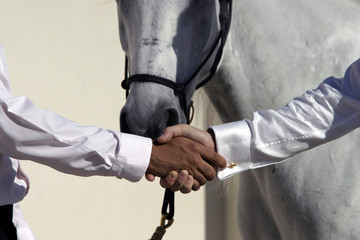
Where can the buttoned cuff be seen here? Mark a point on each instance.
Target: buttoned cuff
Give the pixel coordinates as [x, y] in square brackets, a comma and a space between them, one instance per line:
[233, 143]
[134, 157]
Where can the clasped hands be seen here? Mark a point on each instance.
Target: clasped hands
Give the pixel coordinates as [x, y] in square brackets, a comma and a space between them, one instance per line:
[185, 159]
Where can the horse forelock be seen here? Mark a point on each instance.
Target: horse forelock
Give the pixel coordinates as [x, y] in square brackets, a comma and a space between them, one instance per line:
[167, 38]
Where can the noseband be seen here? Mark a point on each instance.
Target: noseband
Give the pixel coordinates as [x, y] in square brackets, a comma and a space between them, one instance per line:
[179, 89]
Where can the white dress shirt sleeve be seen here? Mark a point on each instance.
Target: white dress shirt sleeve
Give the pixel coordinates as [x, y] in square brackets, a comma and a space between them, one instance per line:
[32, 133]
[29, 132]
[318, 116]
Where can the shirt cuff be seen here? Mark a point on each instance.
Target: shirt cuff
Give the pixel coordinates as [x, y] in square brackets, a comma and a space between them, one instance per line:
[134, 157]
[233, 143]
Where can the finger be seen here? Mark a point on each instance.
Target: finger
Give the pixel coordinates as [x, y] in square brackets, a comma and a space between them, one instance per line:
[200, 178]
[169, 180]
[170, 132]
[166, 137]
[207, 170]
[196, 135]
[196, 185]
[184, 130]
[213, 158]
[187, 187]
[201, 137]
[180, 181]
[149, 177]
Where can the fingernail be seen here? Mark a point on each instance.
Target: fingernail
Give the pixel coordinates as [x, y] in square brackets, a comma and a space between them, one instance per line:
[190, 179]
[172, 175]
[183, 174]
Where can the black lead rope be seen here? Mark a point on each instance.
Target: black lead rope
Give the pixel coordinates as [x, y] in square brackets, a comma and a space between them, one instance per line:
[168, 208]
[169, 202]
[169, 199]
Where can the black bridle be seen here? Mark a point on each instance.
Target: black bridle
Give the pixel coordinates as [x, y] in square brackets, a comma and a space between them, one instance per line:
[179, 89]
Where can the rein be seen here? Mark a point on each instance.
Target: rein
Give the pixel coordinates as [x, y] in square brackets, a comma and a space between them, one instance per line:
[179, 90]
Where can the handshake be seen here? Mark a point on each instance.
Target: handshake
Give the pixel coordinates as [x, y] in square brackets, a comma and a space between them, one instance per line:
[185, 159]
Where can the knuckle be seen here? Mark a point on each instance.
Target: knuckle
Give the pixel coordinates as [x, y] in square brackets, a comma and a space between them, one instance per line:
[185, 190]
[164, 184]
[202, 182]
[174, 189]
[212, 175]
[195, 161]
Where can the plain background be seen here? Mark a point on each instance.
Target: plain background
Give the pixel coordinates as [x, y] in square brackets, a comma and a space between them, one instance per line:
[66, 57]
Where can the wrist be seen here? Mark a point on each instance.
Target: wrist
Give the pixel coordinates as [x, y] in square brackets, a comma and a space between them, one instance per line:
[153, 161]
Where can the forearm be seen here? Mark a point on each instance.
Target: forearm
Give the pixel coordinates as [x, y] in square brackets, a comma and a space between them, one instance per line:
[29, 132]
[318, 116]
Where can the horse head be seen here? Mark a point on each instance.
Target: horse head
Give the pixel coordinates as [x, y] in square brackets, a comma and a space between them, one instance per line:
[169, 47]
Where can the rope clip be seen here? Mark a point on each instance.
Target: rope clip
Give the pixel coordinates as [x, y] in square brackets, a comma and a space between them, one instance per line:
[163, 220]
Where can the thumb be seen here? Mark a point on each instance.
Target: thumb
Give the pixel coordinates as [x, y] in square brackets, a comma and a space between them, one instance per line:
[150, 177]
[173, 131]
[166, 137]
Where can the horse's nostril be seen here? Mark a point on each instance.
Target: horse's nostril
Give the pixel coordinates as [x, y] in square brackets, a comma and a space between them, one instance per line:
[141, 118]
[124, 127]
[173, 117]
[131, 126]
[153, 133]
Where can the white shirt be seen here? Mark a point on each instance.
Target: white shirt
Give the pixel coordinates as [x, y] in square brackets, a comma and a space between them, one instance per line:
[32, 133]
[318, 116]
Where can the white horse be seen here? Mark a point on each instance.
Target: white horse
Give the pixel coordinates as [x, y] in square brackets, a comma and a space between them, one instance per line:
[276, 50]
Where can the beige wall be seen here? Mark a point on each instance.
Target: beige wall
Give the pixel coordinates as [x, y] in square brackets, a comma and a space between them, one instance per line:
[66, 56]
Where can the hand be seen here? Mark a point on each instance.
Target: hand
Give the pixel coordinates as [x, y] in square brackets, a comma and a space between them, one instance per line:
[175, 181]
[171, 181]
[184, 130]
[194, 134]
[184, 154]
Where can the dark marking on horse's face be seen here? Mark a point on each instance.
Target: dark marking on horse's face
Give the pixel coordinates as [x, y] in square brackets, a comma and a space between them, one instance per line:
[152, 41]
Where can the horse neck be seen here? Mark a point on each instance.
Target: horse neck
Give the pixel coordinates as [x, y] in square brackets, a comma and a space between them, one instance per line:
[275, 53]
